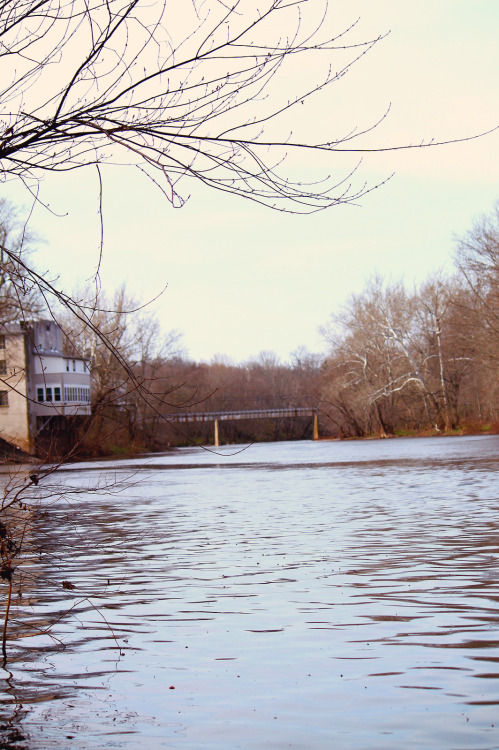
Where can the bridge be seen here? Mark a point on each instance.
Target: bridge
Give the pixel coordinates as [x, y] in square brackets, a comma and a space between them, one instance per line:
[224, 416]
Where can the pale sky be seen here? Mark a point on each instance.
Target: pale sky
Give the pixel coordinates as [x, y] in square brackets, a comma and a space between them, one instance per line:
[241, 278]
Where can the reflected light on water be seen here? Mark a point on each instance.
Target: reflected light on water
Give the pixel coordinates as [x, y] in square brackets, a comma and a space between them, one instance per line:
[296, 595]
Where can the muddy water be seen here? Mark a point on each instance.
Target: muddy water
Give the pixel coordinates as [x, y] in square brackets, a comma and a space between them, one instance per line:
[295, 595]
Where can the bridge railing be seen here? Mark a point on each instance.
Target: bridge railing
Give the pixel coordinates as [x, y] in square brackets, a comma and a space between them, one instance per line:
[224, 416]
[210, 416]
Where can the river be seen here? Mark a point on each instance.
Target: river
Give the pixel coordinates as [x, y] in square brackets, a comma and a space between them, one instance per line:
[293, 595]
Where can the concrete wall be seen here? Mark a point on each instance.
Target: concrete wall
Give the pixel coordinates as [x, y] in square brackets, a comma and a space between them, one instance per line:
[14, 417]
[46, 336]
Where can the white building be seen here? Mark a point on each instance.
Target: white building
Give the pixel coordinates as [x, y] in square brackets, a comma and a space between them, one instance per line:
[39, 384]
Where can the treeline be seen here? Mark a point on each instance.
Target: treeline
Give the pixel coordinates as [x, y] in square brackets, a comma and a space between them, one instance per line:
[262, 383]
[402, 361]
[140, 377]
[133, 400]
[399, 361]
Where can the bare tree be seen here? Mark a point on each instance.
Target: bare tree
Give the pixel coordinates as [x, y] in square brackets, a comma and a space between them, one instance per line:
[196, 90]
[125, 392]
[446, 357]
[477, 259]
[477, 308]
[19, 296]
[383, 346]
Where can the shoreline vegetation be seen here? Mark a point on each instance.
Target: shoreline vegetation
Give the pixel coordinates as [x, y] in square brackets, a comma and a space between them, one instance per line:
[18, 457]
[466, 429]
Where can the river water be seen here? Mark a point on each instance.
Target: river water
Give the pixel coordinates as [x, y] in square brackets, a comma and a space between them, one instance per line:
[294, 595]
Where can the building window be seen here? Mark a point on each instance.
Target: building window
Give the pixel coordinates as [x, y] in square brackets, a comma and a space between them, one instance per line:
[77, 394]
[2, 341]
[39, 394]
[49, 394]
[3, 367]
[74, 365]
[4, 398]
[57, 393]
[67, 365]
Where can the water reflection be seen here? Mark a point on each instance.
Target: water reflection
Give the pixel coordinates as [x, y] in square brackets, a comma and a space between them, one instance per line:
[311, 595]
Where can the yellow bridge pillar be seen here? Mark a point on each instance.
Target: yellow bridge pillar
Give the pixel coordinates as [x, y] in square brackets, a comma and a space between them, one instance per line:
[316, 427]
[216, 434]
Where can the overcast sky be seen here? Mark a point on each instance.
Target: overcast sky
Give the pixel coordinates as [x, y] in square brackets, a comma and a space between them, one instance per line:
[241, 278]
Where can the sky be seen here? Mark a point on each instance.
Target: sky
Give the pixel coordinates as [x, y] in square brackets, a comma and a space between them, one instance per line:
[241, 278]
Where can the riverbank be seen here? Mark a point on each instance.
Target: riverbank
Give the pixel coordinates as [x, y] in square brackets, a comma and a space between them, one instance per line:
[471, 427]
[463, 430]
[128, 449]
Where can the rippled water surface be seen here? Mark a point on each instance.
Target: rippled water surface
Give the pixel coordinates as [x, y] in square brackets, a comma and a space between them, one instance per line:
[294, 595]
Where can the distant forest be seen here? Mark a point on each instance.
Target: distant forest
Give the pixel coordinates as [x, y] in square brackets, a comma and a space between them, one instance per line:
[399, 362]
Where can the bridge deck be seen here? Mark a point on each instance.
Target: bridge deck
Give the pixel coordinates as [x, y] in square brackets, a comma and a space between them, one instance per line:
[211, 416]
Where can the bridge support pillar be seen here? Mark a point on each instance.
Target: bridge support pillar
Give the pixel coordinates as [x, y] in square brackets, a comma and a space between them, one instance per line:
[316, 427]
[216, 442]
